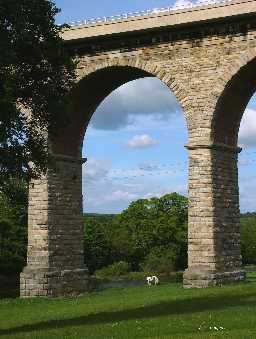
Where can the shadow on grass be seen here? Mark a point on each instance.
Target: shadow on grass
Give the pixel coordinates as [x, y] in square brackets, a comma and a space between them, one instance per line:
[175, 307]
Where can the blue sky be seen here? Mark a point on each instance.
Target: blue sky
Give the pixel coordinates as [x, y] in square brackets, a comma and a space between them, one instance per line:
[73, 10]
[135, 140]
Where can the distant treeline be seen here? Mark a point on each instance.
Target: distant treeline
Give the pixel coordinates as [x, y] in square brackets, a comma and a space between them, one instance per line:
[248, 214]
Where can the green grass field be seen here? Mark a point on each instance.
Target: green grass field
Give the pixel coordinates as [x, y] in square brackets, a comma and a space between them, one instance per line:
[164, 311]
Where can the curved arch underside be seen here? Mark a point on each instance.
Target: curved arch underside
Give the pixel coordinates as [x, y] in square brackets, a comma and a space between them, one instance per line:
[232, 104]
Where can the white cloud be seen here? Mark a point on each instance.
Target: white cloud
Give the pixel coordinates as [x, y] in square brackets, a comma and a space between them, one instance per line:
[142, 97]
[157, 193]
[187, 3]
[111, 190]
[247, 132]
[114, 194]
[247, 194]
[113, 197]
[120, 196]
[142, 141]
[95, 169]
[182, 3]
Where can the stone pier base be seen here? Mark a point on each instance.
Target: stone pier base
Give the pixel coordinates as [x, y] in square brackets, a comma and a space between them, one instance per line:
[50, 283]
[198, 278]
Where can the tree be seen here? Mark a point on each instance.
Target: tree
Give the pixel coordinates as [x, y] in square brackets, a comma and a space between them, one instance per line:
[149, 232]
[13, 226]
[98, 250]
[36, 76]
[248, 239]
[157, 224]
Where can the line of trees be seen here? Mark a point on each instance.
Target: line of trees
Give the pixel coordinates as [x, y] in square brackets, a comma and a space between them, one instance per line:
[151, 234]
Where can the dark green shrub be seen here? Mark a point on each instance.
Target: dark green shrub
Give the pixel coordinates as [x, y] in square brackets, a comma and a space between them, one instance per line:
[13, 226]
[12, 247]
[115, 270]
[159, 261]
[248, 239]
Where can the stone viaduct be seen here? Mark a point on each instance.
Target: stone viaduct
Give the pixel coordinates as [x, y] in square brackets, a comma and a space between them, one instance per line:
[207, 56]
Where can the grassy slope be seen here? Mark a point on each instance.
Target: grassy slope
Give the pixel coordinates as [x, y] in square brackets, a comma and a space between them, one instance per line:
[165, 311]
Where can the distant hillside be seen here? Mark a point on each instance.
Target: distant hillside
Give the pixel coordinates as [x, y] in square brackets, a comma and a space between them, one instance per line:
[248, 215]
[104, 216]
[99, 217]
[98, 214]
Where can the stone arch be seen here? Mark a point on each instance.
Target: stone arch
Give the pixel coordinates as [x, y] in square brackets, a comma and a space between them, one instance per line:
[238, 86]
[214, 180]
[55, 262]
[96, 82]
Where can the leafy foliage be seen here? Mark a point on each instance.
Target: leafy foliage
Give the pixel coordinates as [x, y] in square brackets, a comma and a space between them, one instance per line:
[159, 260]
[36, 76]
[117, 269]
[151, 224]
[248, 239]
[13, 226]
[145, 229]
[98, 250]
[150, 235]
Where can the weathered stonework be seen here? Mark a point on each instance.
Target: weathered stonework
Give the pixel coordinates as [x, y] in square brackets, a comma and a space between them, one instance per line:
[214, 233]
[55, 265]
[210, 66]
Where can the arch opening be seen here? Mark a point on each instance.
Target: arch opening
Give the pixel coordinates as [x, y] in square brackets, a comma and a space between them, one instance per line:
[86, 97]
[140, 157]
[231, 105]
[234, 123]
[90, 91]
[246, 160]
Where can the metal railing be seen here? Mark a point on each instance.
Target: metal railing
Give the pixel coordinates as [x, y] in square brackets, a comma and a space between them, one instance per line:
[120, 17]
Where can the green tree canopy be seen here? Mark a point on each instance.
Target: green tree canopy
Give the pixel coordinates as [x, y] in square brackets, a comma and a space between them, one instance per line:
[13, 226]
[150, 224]
[248, 238]
[97, 241]
[36, 76]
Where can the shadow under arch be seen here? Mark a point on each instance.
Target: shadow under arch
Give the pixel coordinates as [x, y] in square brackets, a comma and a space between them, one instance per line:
[232, 103]
[92, 89]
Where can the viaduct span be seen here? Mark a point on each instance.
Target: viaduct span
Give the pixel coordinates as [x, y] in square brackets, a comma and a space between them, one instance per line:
[207, 56]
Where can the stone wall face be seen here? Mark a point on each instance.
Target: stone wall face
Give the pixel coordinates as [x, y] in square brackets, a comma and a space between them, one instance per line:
[214, 218]
[55, 265]
[197, 64]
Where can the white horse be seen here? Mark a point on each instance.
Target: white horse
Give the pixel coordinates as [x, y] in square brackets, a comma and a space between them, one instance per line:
[155, 279]
[152, 280]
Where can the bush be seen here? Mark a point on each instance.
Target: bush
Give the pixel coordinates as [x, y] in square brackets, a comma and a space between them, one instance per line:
[159, 261]
[115, 270]
[12, 247]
